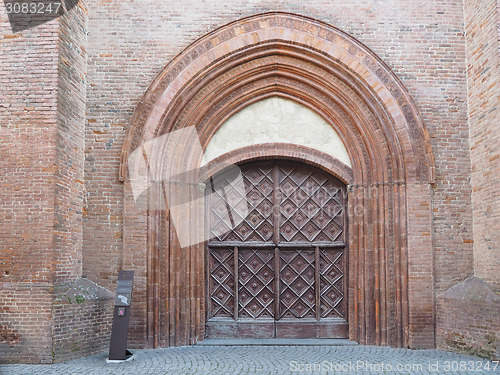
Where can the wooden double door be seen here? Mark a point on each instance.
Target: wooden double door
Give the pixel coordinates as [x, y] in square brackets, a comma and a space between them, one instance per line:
[277, 266]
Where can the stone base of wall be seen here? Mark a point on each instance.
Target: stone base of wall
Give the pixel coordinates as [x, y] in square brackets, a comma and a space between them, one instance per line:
[83, 314]
[468, 319]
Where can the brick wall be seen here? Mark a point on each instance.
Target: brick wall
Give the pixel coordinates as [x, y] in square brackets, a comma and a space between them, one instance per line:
[28, 122]
[42, 112]
[467, 314]
[83, 313]
[129, 43]
[25, 323]
[420, 270]
[70, 143]
[28, 118]
[467, 319]
[482, 20]
[42, 142]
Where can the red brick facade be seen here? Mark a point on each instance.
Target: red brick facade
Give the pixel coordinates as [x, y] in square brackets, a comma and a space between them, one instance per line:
[80, 92]
[42, 122]
[468, 314]
[483, 64]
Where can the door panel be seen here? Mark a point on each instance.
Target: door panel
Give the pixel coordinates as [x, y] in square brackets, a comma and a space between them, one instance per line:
[331, 270]
[279, 275]
[221, 283]
[258, 224]
[256, 284]
[297, 284]
[311, 206]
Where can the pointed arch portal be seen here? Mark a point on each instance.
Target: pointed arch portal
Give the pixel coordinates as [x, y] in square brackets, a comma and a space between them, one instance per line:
[390, 285]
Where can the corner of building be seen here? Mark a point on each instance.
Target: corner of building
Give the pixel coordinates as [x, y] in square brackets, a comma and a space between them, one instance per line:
[468, 314]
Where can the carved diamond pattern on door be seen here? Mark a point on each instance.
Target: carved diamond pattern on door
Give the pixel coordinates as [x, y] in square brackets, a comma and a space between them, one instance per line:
[332, 299]
[222, 282]
[290, 267]
[256, 283]
[311, 207]
[228, 206]
[297, 289]
[257, 225]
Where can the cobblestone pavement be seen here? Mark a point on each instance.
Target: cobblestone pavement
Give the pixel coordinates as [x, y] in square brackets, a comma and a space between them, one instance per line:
[272, 360]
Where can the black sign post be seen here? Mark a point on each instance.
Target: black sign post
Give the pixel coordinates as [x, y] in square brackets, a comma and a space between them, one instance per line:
[121, 317]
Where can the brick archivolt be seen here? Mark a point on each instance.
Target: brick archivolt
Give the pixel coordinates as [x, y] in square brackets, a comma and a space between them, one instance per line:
[344, 82]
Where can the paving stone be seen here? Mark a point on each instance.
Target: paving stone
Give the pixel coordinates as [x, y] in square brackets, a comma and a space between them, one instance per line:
[269, 360]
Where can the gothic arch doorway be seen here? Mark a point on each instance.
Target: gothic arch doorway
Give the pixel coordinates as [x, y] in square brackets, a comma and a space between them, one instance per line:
[280, 271]
[391, 297]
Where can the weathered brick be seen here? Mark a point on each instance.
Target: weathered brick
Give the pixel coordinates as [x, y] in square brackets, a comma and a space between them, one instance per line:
[69, 88]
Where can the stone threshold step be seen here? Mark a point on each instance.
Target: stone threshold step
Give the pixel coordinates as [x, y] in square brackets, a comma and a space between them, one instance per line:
[275, 342]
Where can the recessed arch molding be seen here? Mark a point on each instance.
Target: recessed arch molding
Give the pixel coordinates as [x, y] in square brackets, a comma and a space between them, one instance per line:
[390, 298]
